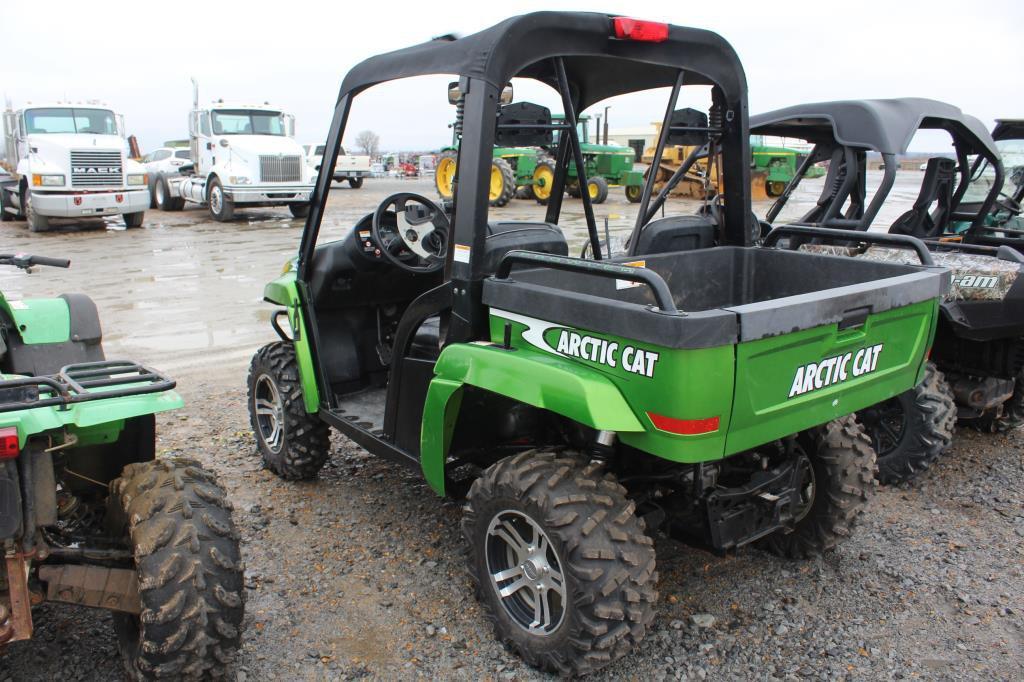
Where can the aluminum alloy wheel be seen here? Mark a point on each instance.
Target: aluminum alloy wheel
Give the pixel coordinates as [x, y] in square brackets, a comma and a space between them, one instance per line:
[525, 572]
[269, 411]
[216, 200]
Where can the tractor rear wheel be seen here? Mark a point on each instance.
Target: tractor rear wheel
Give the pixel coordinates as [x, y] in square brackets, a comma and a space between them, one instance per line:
[839, 481]
[444, 174]
[503, 183]
[294, 444]
[598, 189]
[176, 518]
[560, 561]
[911, 430]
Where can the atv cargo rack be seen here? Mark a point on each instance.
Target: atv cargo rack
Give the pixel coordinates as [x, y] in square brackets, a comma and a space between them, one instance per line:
[81, 383]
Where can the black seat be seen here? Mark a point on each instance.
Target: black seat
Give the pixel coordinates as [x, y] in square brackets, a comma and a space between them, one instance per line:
[835, 180]
[502, 237]
[677, 233]
[936, 188]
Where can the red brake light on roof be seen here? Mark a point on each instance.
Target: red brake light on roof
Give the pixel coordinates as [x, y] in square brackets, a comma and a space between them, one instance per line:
[643, 31]
[9, 442]
[683, 427]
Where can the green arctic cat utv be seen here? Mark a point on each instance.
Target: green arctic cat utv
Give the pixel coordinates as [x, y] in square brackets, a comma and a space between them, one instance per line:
[88, 516]
[578, 406]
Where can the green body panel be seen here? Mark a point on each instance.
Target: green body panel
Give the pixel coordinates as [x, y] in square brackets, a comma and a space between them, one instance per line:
[96, 421]
[763, 409]
[39, 320]
[285, 292]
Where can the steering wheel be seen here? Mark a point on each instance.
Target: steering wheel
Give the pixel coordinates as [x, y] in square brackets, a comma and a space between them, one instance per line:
[411, 231]
[1008, 204]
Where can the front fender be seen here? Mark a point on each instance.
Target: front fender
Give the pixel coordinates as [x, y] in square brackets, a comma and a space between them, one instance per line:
[543, 381]
[284, 291]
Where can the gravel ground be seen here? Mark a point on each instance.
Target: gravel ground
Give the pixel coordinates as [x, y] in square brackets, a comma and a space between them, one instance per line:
[347, 579]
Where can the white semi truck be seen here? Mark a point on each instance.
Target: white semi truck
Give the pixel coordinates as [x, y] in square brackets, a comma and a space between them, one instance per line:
[242, 155]
[68, 160]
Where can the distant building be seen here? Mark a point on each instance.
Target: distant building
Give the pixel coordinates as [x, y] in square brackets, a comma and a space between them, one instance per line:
[638, 137]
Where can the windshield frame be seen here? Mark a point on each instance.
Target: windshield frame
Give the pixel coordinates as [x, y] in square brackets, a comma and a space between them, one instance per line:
[73, 115]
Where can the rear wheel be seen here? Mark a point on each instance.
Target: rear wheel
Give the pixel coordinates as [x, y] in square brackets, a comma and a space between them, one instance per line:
[355, 183]
[299, 210]
[503, 183]
[134, 219]
[543, 179]
[911, 430]
[36, 222]
[834, 492]
[444, 174]
[222, 209]
[294, 444]
[177, 520]
[633, 193]
[4, 203]
[164, 200]
[560, 561]
[598, 189]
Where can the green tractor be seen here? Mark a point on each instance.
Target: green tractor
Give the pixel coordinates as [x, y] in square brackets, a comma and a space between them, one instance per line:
[700, 386]
[88, 515]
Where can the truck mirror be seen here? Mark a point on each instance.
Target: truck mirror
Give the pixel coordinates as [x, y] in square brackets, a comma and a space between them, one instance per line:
[454, 93]
[289, 125]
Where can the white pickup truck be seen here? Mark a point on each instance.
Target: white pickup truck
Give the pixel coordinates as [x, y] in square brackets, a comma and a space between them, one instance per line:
[349, 167]
[67, 160]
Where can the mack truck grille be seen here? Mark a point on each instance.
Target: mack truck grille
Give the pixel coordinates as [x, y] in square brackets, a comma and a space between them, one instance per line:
[96, 169]
[280, 168]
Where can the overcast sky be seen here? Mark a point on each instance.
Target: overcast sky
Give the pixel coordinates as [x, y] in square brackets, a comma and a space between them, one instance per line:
[138, 56]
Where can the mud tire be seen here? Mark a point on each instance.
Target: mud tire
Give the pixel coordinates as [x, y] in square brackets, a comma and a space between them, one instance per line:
[306, 443]
[606, 558]
[177, 519]
[843, 464]
[929, 419]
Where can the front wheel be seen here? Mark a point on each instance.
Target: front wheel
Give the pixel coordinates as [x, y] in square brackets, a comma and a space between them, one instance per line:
[834, 490]
[634, 193]
[36, 222]
[294, 444]
[560, 561]
[222, 209]
[597, 187]
[176, 518]
[910, 431]
[133, 219]
[299, 210]
[355, 183]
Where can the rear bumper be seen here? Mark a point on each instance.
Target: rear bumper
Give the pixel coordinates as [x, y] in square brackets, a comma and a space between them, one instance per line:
[351, 174]
[283, 194]
[92, 204]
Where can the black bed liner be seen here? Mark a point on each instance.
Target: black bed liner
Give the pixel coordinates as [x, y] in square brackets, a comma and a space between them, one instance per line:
[724, 295]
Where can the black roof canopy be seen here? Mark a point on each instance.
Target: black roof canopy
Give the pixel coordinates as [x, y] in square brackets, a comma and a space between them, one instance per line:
[883, 125]
[598, 65]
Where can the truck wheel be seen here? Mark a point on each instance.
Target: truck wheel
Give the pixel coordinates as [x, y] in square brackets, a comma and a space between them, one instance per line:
[152, 191]
[294, 444]
[4, 202]
[36, 222]
[134, 219]
[164, 200]
[911, 430]
[598, 188]
[634, 193]
[299, 210]
[839, 481]
[222, 209]
[355, 183]
[503, 183]
[177, 520]
[559, 561]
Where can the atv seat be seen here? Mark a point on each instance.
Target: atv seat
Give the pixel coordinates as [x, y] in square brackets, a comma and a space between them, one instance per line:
[677, 233]
[936, 188]
[502, 237]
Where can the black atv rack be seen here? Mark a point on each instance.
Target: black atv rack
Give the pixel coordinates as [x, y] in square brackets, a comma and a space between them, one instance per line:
[78, 383]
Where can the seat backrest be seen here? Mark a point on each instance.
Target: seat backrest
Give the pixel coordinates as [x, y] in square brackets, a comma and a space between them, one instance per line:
[676, 233]
[503, 237]
[936, 188]
[834, 181]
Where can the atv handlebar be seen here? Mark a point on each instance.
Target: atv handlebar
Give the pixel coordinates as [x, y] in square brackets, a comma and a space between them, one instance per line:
[903, 240]
[641, 275]
[25, 261]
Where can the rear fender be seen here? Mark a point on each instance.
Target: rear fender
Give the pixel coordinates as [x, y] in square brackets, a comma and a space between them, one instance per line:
[284, 291]
[546, 382]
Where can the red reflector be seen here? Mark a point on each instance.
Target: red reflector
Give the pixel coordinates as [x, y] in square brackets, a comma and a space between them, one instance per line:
[119, 198]
[9, 442]
[78, 201]
[644, 31]
[683, 427]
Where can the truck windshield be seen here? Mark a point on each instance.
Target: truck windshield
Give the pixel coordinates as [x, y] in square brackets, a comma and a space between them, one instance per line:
[69, 120]
[247, 122]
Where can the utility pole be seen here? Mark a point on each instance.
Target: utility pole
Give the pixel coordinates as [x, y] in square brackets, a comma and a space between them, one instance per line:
[606, 124]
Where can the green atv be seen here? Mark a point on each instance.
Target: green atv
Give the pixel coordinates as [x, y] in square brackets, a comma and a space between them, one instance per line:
[578, 406]
[88, 516]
